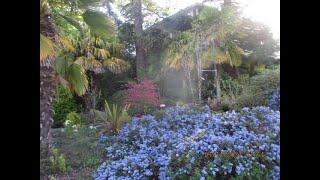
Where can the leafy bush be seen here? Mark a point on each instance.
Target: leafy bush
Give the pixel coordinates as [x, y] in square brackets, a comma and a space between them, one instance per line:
[64, 103]
[142, 96]
[257, 91]
[58, 162]
[250, 91]
[188, 144]
[73, 123]
[74, 118]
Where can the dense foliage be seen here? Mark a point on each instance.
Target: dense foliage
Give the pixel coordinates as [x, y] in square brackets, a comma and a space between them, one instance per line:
[190, 144]
[250, 91]
[64, 104]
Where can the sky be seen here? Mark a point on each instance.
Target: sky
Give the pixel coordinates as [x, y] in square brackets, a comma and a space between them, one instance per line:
[264, 11]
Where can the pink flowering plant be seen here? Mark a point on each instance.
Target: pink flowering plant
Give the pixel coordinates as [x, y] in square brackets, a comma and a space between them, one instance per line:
[142, 96]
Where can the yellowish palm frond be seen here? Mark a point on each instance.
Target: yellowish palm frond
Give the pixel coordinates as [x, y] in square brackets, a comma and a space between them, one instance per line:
[66, 43]
[222, 56]
[116, 65]
[101, 53]
[47, 48]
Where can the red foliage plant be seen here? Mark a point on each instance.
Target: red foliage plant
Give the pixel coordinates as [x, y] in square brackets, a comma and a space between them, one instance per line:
[142, 94]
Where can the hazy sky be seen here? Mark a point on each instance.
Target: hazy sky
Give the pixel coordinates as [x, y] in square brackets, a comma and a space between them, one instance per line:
[265, 11]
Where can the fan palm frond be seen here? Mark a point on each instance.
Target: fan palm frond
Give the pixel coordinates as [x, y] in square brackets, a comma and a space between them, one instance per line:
[101, 53]
[116, 65]
[99, 24]
[73, 22]
[47, 48]
[77, 78]
[67, 44]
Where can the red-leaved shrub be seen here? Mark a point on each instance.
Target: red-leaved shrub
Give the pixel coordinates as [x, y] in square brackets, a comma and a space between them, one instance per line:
[142, 95]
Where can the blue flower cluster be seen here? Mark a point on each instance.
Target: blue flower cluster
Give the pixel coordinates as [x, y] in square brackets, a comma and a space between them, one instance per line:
[190, 143]
[274, 100]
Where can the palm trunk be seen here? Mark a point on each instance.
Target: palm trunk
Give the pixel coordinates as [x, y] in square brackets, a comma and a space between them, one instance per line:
[188, 75]
[198, 59]
[47, 86]
[48, 81]
[217, 81]
[140, 53]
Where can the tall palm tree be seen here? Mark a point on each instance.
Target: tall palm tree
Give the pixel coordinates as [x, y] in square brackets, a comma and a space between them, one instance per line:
[179, 56]
[70, 67]
[217, 27]
[48, 78]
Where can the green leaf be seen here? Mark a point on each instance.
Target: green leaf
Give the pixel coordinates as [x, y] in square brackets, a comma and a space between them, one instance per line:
[77, 78]
[99, 24]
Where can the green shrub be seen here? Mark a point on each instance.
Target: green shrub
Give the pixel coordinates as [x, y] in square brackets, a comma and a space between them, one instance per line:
[257, 88]
[169, 102]
[64, 103]
[74, 118]
[72, 123]
[250, 91]
[159, 114]
[58, 161]
[81, 152]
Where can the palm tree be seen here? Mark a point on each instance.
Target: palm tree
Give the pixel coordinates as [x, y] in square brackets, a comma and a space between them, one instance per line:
[179, 55]
[68, 65]
[48, 78]
[217, 28]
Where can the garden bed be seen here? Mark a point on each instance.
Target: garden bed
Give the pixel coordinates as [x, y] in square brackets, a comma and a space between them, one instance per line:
[192, 144]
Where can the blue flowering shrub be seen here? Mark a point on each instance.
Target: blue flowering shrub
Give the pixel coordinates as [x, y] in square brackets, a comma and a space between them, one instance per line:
[195, 144]
[274, 100]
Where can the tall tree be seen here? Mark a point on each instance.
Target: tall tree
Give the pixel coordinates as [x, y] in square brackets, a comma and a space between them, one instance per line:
[135, 11]
[140, 52]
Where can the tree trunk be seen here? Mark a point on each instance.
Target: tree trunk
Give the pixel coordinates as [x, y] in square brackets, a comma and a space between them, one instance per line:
[187, 70]
[217, 69]
[140, 52]
[48, 83]
[218, 75]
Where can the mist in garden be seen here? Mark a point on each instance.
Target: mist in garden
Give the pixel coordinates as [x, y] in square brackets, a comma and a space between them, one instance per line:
[167, 89]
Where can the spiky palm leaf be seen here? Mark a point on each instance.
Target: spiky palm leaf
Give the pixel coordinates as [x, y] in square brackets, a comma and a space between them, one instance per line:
[67, 44]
